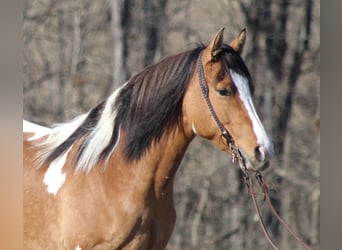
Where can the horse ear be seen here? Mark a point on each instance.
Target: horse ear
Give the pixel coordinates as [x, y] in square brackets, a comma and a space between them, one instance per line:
[214, 47]
[239, 41]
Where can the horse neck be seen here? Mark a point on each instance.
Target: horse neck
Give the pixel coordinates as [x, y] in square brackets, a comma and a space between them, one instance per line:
[170, 150]
[157, 167]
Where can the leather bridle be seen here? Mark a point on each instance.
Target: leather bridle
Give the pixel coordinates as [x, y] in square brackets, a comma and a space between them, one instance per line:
[237, 156]
[224, 132]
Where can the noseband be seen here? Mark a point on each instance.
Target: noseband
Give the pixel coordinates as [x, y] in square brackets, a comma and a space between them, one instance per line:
[237, 156]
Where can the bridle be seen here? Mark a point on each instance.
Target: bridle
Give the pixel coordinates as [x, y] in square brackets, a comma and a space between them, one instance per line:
[237, 156]
[224, 132]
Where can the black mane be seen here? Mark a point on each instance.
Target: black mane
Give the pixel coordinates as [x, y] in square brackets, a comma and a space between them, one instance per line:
[152, 101]
[149, 104]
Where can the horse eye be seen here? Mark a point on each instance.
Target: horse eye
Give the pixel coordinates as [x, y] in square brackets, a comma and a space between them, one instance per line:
[225, 92]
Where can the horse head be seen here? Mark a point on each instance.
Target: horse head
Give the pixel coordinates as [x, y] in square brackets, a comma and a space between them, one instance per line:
[221, 100]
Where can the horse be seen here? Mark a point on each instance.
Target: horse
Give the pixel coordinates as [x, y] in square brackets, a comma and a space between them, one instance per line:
[104, 180]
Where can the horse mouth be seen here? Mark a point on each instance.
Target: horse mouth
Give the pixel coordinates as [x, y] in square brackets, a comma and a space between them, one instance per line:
[253, 164]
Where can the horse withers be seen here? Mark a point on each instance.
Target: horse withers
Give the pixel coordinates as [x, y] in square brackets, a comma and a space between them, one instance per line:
[105, 179]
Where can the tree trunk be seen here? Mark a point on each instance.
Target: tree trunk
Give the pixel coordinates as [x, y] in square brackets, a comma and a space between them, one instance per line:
[61, 76]
[155, 24]
[118, 29]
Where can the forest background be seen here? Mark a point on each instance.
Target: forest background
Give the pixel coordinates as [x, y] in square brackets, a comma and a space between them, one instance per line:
[77, 52]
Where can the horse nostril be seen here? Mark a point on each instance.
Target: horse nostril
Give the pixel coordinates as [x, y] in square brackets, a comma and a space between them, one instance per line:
[260, 154]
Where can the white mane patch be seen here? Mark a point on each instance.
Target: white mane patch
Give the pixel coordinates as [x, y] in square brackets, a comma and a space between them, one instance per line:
[94, 144]
[39, 131]
[100, 137]
[58, 135]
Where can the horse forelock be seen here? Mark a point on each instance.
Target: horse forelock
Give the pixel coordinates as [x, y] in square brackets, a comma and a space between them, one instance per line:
[231, 60]
[146, 106]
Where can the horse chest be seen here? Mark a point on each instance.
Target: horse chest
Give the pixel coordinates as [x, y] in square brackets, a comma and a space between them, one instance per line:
[123, 223]
[135, 232]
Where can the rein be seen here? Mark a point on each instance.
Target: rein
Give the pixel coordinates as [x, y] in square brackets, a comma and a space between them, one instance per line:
[237, 156]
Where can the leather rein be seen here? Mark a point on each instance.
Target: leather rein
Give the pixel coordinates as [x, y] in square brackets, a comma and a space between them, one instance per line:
[237, 156]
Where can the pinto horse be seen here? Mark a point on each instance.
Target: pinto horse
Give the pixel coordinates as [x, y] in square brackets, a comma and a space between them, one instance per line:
[105, 179]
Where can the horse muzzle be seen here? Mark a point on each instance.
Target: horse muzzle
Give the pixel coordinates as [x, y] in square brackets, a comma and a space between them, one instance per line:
[259, 160]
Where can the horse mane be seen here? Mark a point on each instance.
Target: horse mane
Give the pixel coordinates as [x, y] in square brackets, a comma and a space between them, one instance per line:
[144, 107]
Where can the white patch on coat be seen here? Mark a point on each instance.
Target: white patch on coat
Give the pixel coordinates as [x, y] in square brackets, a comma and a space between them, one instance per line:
[194, 128]
[78, 248]
[39, 131]
[242, 85]
[54, 178]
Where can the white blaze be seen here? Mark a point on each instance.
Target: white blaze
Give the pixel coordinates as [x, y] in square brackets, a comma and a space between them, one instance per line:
[242, 85]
